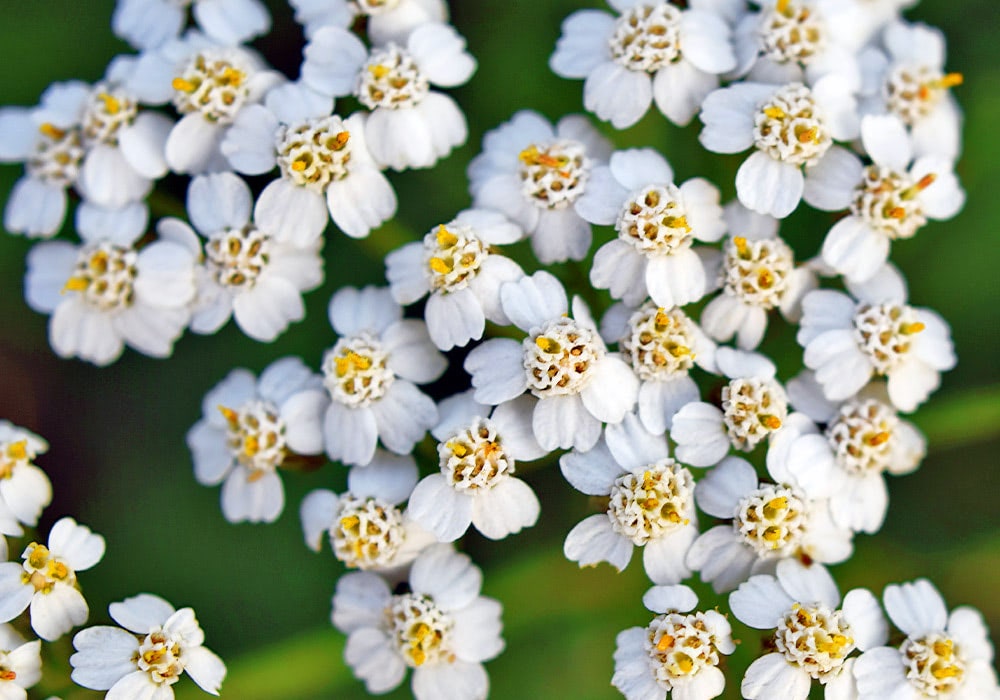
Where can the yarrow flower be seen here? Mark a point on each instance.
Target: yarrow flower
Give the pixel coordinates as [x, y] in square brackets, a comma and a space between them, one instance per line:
[21, 664]
[251, 428]
[146, 658]
[442, 628]
[147, 24]
[24, 488]
[675, 653]
[385, 20]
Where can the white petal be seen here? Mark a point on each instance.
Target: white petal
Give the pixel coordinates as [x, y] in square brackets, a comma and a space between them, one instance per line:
[218, 201]
[255, 497]
[718, 493]
[593, 541]
[450, 578]
[564, 422]
[403, 416]
[632, 446]
[760, 602]
[317, 512]
[769, 186]
[103, 656]
[350, 434]
[205, 668]
[916, 608]
[361, 201]
[57, 612]
[864, 615]
[808, 585]
[612, 390]
[592, 472]
[618, 95]
[332, 59]
[144, 143]
[440, 509]
[231, 22]
[456, 681]
[496, 370]
[505, 509]
[664, 558]
[373, 660]
[830, 183]
[290, 213]
[193, 144]
[440, 53]
[411, 354]
[531, 301]
[35, 208]
[886, 140]
[582, 45]
[699, 434]
[76, 544]
[476, 634]
[658, 401]
[360, 601]
[771, 676]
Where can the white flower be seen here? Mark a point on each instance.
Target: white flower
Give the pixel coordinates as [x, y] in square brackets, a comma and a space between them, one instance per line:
[24, 488]
[327, 171]
[847, 342]
[653, 51]
[943, 656]
[247, 272]
[812, 638]
[47, 580]
[106, 293]
[789, 126]
[754, 406]
[146, 658]
[458, 265]
[370, 374]
[909, 80]
[662, 347]
[250, 428]
[147, 24]
[888, 200]
[657, 222]
[476, 485]
[365, 526]
[535, 174]
[675, 652]
[770, 522]
[387, 20]
[563, 362]
[410, 125]
[651, 503]
[442, 628]
[758, 273]
[20, 664]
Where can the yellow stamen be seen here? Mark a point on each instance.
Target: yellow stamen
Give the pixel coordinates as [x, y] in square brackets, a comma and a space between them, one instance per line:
[661, 320]
[457, 449]
[350, 522]
[771, 422]
[440, 266]
[251, 446]
[379, 71]
[7, 675]
[782, 7]
[943, 672]
[775, 506]
[298, 165]
[684, 664]
[775, 112]
[445, 238]
[741, 246]
[52, 131]
[807, 135]
[765, 279]
[944, 648]
[948, 81]
[679, 350]
[897, 213]
[666, 641]
[678, 222]
[76, 284]
[911, 328]
[926, 181]
[111, 104]
[18, 450]
[547, 345]
[229, 414]
[182, 85]
[351, 359]
[772, 534]
[232, 76]
[879, 438]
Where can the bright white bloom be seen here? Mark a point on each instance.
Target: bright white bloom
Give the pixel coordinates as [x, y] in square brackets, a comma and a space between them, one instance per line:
[535, 174]
[888, 200]
[24, 488]
[789, 126]
[754, 406]
[147, 24]
[365, 526]
[944, 655]
[46, 580]
[909, 80]
[769, 522]
[758, 273]
[675, 652]
[662, 346]
[812, 637]
[410, 125]
[246, 273]
[387, 20]
[106, 293]
[458, 265]
[563, 363]
[20, 664]
[250, 428]
[476, 485]
[327, 171]
[652, 51]
[657, 223]
[146, 658]
[442, 629]
[651, 503]
[370, 374]
[847, 342]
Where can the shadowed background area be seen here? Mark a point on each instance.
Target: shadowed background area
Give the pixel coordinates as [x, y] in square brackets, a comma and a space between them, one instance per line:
[119, 464]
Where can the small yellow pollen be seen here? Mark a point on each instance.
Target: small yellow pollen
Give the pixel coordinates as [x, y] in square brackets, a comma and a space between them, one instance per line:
[351, 359]
[948, 81]
[666, 641]
[183, 85]
[684, 664]
[943, 672]
[457, 449]
[349, 522]
[229, 414]
[772, 533]
[775, 112]
[661, 320]
[771, 422]
[52, 131]
[379, 71]
[782, 7]
[232, 76]
[678, 222]
[111, 104]
[76, 284]
[547, 345]
[18, 450]
[298, 165]
[418, 656]
[7, 675]
[38, 556]
[808, 135]
[897, 213]
[879, 438]
[440, 266]
[926, 181]
[340, 140]
[445, 238]
[944, 648]
[421, 632]
[251, 446]
[741, 246]
[765, 279]
[911, 328]
[679, 350]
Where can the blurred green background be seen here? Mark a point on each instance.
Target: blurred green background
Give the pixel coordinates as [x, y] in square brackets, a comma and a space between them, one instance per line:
[119, 464]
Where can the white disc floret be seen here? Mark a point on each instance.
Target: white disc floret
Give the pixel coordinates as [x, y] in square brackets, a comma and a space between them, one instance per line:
[315, 152]
[884, 332]
[553, 175]
[815, 639]
[255, 436]
[912, 92]
[861, 436]
[752, 409]
[756, 271]
[355, 371]
[791, 31]
[453, 255]
[772, 521]
[887, 201]
[679, 647]
[214, 83]
[57, 155]
[367, 532]
[43, 569]
[236, 257]
[648, 505]
[647, 37]
[559, 358]
[160, 656]
[107, 110]
[391, 79]
[104, 275]
[474, 459]
[932, 664]
[659, 343]
[654, 220]
[420, 629]
[790, 127]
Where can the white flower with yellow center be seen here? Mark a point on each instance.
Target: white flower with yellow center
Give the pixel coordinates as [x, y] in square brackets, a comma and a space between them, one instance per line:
[250, 428]
[365, 525]
[789, 126]
[812, 637]
[246, 272]
[847, 342]
[458, 265]
[757, 274]
[371, 375]
[657, 223]
[442, 628]
[753, 407]
[662, 346]
[890, 199]
[944, 655]
[148, 656]
[24, 488]
[46, 580]
[106, 293]
[768, 522]
[326, 169]
[477, 453]
[650, 503]
[563, 363]
[907, 78]
[147, 24]
[535, 174]
[410, 125]
[653, 51]
[386, 20]
[677, 652]
[20, 664]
